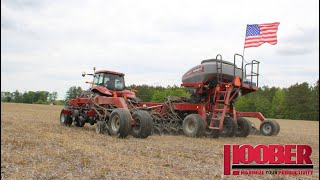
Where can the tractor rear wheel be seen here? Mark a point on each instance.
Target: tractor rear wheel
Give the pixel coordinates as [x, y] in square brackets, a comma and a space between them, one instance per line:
[268, 128]
[193, 125]
[229, 127]
[244, 127]
[143, 124]
[65, 119]
[120, 123]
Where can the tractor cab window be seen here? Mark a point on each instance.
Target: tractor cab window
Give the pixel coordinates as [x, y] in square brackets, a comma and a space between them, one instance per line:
[110, 81]
[114, 82]
[119, 85]
[98, 79]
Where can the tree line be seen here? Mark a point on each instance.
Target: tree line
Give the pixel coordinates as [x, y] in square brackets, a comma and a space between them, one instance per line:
[31, 97]
[158, 93]
[144, 92]
[299, 101]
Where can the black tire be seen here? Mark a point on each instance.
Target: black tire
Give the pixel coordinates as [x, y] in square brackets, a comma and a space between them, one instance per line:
[229, 127]
[278, 128]
[213, 133]
[244, 127]
[76, 119]
[216, 132]
[119, 123]
[65, 119]
[78, 123]
[268, 128]
[143, 124]
[100, 129]
[207, 131]
[193, 125]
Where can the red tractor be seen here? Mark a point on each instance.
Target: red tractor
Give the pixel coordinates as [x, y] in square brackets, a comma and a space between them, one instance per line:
[215, 85]
[106, 104]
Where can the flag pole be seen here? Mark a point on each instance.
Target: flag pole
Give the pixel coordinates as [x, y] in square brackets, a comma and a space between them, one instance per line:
[243, 60]
[243, 52]
[244, 46]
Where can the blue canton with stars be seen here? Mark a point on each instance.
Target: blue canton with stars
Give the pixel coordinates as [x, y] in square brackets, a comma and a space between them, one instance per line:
[252, 30]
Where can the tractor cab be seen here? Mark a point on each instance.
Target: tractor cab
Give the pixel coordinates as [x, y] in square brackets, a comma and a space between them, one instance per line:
[111, 80]
[109, 83]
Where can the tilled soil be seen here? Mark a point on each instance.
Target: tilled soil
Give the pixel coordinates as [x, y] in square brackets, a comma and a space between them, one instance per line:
[35, 146]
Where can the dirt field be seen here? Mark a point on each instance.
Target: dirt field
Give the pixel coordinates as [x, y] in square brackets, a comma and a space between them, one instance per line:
[34, 145]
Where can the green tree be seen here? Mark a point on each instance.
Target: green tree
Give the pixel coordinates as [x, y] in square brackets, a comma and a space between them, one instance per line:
[41, 97]
[73, 92]
[242, 104]
[3, 96]
[263, 105]
[55, 95]
[315, 102]
[31, 97]
[50, 99]
[298, 101]
[17, 97]
[52, 96]
[160, 95]
[6, 96]
[145, 92]
[278, 104]
[25, 98]
[247, 102]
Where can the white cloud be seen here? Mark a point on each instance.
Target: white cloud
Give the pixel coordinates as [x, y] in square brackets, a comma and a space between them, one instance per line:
[49, 43]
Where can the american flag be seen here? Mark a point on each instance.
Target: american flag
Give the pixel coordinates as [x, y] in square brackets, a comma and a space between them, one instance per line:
[258, 34]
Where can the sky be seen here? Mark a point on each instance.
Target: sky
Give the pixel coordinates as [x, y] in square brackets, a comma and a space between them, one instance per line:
[47, 44]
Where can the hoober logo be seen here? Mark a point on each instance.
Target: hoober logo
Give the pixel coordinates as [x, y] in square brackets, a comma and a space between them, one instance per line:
[289, 159]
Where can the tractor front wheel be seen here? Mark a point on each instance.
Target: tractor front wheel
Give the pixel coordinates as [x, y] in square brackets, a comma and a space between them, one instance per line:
[193, 125]
[120, 123]
[65, 119]
[143, 124]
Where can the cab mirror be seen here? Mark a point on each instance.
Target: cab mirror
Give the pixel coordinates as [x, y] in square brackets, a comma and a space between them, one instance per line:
[83, 74]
